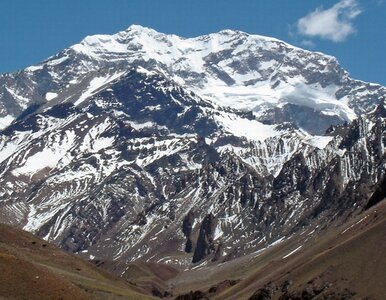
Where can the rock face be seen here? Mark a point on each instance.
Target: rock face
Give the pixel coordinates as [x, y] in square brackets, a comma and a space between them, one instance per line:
[378, 195]
[129, 150]
[205, 242]
[187, 229]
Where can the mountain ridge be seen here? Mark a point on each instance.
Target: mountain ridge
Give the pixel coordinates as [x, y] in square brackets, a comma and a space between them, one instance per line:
[128, 156]
[231, 68]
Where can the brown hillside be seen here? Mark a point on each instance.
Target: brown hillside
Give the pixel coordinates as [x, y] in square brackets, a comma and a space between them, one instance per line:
[31, 268]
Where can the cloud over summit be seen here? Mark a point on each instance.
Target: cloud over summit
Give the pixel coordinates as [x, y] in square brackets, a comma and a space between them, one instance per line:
[335, 23]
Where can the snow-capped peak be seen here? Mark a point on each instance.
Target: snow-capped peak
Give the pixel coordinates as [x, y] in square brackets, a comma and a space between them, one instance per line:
[135, 28]
[236, 69]
[273, 79]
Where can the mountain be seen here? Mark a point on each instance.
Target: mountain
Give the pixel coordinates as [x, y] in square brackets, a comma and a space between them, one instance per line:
[151, 148]
[276, 81]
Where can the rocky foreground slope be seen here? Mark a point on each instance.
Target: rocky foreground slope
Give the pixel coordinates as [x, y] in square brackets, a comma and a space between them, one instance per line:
[149, 147]
[342, 262]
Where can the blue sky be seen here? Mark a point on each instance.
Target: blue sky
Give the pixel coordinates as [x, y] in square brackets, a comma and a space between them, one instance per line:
[352, 30]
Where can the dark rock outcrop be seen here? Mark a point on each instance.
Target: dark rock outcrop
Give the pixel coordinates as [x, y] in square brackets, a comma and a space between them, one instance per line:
[187, 226]
[205, 242]
[265, 293]
[196, 295]
[379, 194]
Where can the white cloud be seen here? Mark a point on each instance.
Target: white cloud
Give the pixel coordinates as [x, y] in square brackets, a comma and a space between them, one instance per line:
[334, 23]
